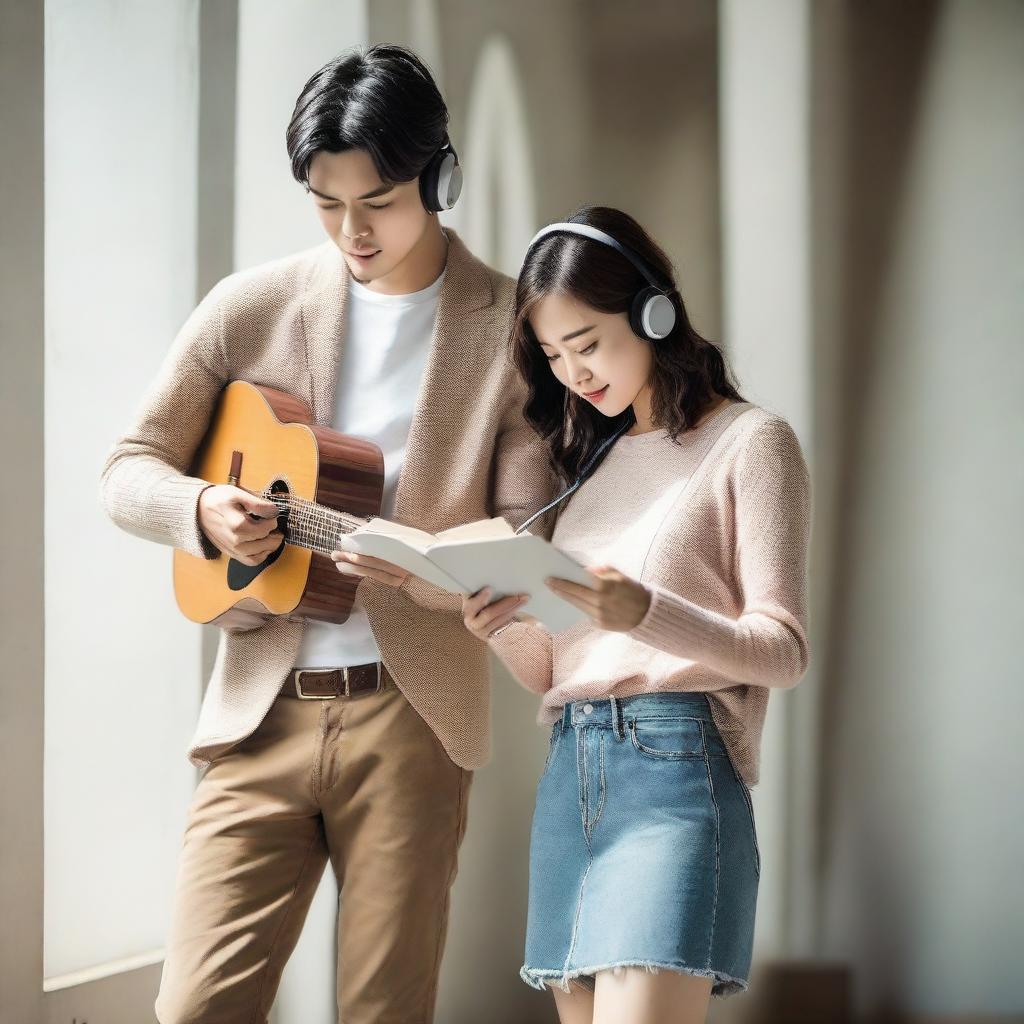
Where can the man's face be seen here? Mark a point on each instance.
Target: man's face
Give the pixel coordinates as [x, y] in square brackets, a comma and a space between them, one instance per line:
[374, 223]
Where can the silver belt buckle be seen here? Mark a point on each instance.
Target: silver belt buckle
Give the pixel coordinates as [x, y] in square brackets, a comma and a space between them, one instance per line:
[302, 695]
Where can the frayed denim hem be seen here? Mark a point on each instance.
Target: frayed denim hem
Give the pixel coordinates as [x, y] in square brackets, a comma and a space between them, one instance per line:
[539, 978]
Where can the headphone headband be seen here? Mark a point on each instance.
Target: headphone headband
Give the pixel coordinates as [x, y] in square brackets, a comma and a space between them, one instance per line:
[652, 314]
[597, 235]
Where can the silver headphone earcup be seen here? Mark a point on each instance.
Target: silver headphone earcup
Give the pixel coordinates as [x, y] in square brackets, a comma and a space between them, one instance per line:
[652, 315]
[657, 316]
[449, 182]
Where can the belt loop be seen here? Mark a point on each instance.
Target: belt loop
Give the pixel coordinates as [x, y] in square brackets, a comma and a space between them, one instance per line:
[620, 733]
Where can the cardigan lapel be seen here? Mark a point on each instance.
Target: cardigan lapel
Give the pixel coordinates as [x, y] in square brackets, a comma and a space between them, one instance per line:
[439, 412]
[439, 415]
[323, 322]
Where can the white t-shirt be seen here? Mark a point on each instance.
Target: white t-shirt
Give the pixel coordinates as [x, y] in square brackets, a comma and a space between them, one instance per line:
[383, 358]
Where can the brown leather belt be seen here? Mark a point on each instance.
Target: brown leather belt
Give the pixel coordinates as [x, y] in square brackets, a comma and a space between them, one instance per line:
[329, 683]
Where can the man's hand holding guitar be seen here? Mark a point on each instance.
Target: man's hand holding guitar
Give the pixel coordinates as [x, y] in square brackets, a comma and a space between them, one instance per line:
[244, 527]
[238, 523]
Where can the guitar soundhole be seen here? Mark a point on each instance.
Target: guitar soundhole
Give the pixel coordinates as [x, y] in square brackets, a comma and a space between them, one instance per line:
[241, 575]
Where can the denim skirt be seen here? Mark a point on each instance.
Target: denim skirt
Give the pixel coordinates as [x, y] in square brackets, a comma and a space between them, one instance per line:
[643, 851]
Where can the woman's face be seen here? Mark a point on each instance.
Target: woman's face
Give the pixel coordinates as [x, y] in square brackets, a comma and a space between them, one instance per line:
[590, 351]
[379, 227]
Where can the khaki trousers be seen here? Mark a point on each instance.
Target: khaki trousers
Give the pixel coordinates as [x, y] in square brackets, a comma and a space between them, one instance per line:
[361, 781]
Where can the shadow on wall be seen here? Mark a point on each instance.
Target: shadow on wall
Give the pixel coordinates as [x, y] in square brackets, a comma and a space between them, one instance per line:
[499, 215]
[881, 73]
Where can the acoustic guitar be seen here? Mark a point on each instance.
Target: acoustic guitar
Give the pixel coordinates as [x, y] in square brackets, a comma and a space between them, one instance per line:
[324, 483]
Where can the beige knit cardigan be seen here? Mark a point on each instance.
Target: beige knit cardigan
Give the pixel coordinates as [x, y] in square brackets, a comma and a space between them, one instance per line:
[470, 455]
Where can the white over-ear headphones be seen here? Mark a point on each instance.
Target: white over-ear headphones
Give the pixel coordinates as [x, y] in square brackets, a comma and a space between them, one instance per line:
[652, 314]
[441, 180]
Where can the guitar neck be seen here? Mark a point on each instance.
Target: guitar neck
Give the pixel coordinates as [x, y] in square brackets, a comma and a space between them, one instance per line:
[314, 527]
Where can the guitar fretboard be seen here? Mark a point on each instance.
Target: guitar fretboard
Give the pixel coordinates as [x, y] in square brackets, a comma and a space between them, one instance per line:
[312, 526]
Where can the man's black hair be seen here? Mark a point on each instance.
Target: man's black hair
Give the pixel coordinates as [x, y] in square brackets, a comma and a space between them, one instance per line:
[382, 99]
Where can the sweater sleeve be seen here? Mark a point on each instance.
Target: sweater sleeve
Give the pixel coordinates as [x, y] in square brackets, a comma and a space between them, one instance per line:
[144, 484]
[766, 645]
[526, 651]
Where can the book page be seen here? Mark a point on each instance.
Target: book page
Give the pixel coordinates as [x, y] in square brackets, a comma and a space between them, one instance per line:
[418, 539]
[516, 565]
[398, 550]
[483, 529]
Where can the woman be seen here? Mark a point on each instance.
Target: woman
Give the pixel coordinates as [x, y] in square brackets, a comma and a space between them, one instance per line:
[644, 863]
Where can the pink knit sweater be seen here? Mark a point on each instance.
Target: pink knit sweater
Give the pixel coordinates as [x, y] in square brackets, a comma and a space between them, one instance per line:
[716, 526]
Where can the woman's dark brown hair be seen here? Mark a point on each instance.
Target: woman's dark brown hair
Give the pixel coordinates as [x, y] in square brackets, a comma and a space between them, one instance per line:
[688, 373]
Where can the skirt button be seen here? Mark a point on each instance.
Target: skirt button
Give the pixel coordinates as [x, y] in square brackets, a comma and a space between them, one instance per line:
[587, 708]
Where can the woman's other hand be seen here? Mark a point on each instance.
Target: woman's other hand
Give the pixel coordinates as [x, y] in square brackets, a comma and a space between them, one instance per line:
[615, 602]
[482, 618]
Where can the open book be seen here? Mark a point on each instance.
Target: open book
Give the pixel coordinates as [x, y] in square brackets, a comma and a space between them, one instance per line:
[486, 553]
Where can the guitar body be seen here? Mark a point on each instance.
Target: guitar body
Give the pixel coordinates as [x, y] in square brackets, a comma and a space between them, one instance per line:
[268, 438]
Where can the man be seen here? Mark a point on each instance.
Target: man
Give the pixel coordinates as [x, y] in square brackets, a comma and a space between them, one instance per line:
[392, 331]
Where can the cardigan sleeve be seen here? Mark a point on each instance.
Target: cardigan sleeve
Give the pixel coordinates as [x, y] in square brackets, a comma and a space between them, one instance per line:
[526, 651]
[766, 644]
[144, 484]
[522, 481]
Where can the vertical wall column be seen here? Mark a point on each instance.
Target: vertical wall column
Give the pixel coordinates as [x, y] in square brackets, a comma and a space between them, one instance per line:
[764, 66]
[21, 544]
[215, 183]
[121, 129]
[921, 834]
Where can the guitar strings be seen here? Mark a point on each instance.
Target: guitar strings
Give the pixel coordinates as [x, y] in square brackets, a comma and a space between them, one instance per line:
[311, 525]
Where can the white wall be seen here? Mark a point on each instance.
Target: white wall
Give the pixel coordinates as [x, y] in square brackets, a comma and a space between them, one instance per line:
[122, 665]
[766, 158]
[652, 86]
[497, 216]
[925, 836]
[279, 47]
